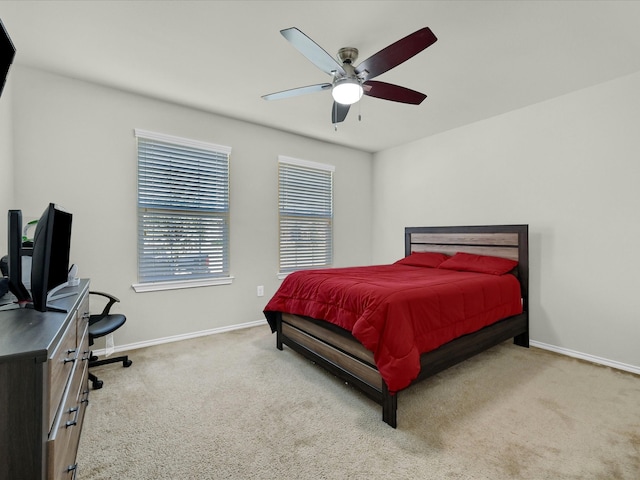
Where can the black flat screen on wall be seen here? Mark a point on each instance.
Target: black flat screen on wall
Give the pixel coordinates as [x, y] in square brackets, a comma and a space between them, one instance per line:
[7, 52]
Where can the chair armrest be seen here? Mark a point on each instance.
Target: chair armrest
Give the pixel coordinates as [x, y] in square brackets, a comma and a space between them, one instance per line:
[108, 306]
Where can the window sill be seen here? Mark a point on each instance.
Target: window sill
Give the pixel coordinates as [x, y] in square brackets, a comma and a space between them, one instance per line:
[157, 286]
[283, 275]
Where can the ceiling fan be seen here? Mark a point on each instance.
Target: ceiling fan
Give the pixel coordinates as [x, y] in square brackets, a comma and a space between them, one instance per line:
[351, 82]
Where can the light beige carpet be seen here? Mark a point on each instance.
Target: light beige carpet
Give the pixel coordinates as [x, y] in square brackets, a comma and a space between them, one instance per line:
[231, 406]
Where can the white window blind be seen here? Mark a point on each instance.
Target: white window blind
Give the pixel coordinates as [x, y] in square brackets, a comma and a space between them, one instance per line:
[183, 209]
[306, 214]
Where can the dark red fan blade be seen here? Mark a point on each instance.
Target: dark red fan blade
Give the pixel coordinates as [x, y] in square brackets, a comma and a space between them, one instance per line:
[396, 53]
[339, 112]
[310, 49]
[395, 93]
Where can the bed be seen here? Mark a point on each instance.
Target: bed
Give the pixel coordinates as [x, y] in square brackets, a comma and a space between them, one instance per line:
[383, 341]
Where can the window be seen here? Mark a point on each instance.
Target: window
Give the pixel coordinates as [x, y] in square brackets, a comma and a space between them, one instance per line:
[183, 212]
[305, 192]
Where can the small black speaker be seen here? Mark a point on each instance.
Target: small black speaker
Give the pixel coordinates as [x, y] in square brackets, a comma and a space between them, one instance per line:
[7, 52]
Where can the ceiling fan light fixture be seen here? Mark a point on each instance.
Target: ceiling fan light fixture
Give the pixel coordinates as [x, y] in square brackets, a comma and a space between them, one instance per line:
[347, 91]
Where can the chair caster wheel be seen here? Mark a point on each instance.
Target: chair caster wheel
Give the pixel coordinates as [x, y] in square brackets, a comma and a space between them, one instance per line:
[97, 384]
[127, 363]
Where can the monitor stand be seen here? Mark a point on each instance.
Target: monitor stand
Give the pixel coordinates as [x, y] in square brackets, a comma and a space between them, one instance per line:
[53, 295]
[9, 306]
[8, 302]
[12, 304]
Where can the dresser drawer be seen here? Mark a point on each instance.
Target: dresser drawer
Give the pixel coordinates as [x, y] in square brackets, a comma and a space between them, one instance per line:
[83, 359]
[65, 434]
[61, 453]
[60, 367]
[83, 317]
[80, 380]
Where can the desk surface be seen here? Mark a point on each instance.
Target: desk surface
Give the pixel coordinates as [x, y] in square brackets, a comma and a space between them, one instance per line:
[27, 332]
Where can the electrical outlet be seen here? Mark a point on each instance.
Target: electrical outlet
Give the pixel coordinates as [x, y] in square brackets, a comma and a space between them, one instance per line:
[260, 290]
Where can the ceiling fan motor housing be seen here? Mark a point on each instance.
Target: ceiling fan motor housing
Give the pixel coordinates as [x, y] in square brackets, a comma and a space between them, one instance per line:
[348, 55]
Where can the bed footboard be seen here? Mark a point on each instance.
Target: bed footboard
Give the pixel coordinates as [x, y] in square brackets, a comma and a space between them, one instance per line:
[342, 355]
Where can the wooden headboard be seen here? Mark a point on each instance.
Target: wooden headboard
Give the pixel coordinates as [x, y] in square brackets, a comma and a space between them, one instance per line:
[508, 241]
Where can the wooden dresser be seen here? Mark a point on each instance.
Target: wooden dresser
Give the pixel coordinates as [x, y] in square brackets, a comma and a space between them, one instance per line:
[43, 388]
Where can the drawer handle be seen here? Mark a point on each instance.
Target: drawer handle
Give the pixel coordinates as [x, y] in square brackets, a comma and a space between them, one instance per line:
[70, 351]
[73, 422]
[73, 468]
[86, 315]
[86, 397]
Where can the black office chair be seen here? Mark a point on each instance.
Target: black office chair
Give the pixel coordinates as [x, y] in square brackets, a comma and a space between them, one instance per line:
[100, 325]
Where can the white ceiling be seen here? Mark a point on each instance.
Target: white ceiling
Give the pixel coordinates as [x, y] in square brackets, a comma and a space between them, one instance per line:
[491, 57]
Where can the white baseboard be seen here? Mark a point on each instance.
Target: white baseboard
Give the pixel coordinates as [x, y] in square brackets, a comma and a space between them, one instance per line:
[545, 346]
[177, 338]
[587, 357]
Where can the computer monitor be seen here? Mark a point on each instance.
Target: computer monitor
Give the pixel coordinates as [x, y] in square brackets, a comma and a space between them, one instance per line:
[50, 258]
[14, 263]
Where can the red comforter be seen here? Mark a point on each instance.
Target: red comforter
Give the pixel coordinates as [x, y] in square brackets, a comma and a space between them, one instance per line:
[398, 311]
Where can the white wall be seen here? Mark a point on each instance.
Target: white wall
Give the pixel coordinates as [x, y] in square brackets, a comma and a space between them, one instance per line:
[74, 145]
[570, 168]
[6, 162]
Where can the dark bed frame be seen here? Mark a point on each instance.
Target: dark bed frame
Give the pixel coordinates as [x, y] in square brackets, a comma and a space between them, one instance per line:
[341, 354]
